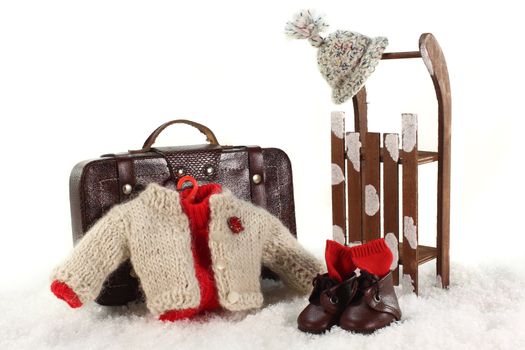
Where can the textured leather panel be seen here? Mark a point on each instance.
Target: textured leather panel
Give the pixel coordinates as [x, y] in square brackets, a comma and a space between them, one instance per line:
[279, 187]
[193, 163]
[97, 192]
[232, 167]
[95, 188]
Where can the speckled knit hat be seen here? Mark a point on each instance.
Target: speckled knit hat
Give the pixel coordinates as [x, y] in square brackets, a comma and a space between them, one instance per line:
[346, 59]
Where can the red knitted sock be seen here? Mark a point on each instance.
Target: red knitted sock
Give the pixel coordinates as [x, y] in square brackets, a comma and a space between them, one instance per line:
[338, 261]
[64, 292]
[374, 257]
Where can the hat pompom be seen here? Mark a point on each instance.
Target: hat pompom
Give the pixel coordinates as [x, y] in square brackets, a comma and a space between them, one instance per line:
[306, 24]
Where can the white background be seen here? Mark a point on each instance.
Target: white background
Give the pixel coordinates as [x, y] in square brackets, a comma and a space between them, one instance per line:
[79, 79]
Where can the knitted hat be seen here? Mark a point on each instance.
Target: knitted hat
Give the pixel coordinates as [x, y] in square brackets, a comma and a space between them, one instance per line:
[346, 59]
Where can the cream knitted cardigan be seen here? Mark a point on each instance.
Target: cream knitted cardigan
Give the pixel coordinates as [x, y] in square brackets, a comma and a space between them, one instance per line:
[153, 231]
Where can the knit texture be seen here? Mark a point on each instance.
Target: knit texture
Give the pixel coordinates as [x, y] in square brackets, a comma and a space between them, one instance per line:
[341, 261]
[338, 261]
[154, 232]
[198, 211]
[346, 59]
[62, 291]
[374, 257]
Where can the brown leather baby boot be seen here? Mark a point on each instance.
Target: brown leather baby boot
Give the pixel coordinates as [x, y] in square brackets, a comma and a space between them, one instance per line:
[374, 305]
[327, 301]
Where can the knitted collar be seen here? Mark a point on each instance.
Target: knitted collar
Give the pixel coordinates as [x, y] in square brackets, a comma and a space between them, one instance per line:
[203, 194]
[164, 198]
[198, 208]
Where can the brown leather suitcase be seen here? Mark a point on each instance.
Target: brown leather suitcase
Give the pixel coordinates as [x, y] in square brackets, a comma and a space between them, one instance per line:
[260, 175]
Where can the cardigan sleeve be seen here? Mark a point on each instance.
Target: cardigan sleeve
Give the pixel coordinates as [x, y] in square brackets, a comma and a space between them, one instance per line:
[283, 254]
[100, 252]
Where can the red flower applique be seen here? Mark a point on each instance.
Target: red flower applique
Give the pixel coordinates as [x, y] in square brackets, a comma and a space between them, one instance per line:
[235, 224]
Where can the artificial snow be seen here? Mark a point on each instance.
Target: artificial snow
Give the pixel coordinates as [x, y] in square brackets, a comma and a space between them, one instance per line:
[353, 149]
[407, 285]
[337, 174]
[338, 126]
[439, 281]
[410, 231]
[372, 203]
[393, 244]
[392, 146]
[338, 234]
[409, 133]
[483, 309]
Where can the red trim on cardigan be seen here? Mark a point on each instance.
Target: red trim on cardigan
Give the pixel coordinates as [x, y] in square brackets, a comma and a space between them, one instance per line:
[198, 212]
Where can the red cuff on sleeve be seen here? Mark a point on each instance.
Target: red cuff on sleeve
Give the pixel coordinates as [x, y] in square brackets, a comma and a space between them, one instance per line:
[62, 291]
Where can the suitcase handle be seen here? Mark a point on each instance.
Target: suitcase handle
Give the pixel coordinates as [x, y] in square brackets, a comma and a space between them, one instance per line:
[210, 136]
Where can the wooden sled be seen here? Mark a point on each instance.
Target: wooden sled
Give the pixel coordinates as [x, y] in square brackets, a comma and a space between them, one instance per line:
[356, 160]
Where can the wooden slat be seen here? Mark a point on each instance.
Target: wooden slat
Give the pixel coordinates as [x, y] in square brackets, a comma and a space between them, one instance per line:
[410, 200]
[423, 157]
[371, 188]
[390, 155]
[338, 181]
[360, 112]
[400, 55]
[425, 254]
[437, 68]
[353, 178]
